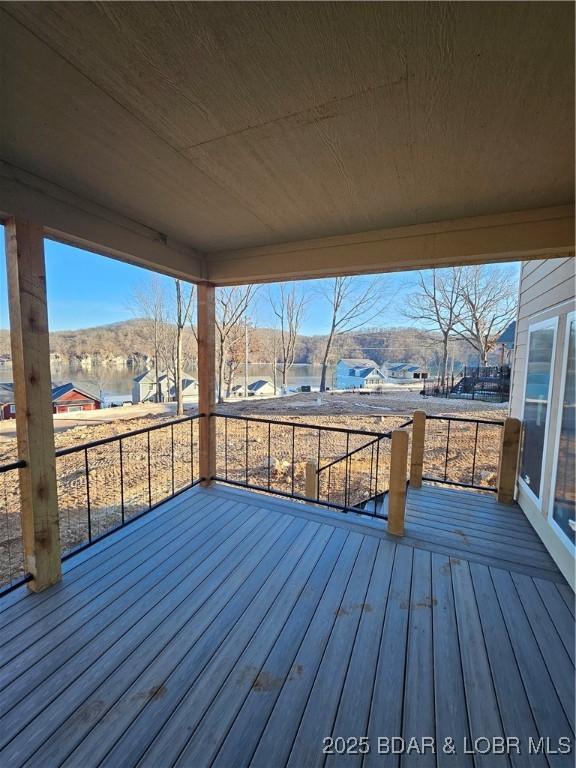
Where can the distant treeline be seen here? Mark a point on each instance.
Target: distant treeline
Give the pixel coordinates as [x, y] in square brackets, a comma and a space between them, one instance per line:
[130, 342]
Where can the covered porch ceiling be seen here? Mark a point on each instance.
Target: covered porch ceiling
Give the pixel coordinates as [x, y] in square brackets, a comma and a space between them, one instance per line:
[237, 142]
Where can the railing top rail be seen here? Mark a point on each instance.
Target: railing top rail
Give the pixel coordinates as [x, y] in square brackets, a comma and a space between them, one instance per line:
[13, 465]
[494, 422]
[123, 435]
[321, 427]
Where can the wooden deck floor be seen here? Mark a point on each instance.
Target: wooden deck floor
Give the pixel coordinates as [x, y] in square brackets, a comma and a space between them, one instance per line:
[228, 629]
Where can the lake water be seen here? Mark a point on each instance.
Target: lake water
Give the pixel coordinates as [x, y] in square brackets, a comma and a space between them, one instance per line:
[115, 385]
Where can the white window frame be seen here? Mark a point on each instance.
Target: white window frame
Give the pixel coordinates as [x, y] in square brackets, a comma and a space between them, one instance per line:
[551, 322]
[570, 317]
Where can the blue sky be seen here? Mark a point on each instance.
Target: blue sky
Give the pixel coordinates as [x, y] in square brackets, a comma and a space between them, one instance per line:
[85, 289]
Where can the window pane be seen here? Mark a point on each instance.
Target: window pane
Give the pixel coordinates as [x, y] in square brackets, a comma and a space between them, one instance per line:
[563, 509]
[536, 406]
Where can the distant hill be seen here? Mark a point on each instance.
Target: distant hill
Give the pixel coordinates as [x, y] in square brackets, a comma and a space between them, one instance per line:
[130, 343]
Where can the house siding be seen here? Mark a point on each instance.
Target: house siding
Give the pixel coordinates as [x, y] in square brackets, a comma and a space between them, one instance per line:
[547, 290]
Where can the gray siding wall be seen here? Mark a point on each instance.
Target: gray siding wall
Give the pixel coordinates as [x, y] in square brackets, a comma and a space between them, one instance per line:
[547, 290]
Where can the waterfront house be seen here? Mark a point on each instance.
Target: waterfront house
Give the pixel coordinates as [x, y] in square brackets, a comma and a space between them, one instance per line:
[406, 371]
[357, 373]
[66, 398]
[149, 388]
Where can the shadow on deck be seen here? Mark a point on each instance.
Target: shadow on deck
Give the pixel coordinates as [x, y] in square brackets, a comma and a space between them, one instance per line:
[227, 628]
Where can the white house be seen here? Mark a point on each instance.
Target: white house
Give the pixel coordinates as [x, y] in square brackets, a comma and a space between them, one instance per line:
[259, 387]
[357, 373]
[149, 388]
[406, 371]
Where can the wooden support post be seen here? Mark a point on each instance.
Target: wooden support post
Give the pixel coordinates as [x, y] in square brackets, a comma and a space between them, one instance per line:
[417, 455]
[206, 381]
[33, 400]
[397, 492]
[508, 461]
[311, 480]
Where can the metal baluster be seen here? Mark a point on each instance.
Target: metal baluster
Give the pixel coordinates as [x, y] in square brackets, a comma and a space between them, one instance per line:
[149, 473]
[377, 463]
[293, 440]
[191, 450]
[346, 470]
[317, 468]
[371, 470]
[226, 447]
[87, 471]
[475, 449]
[172, 443]
[447, 447]
[121, 481]
[246, 457]
[329, 483]
[269, 456]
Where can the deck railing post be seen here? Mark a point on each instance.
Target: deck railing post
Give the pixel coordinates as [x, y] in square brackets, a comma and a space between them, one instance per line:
[33, 400]
[206, 381]
[397, 492]
[508, 460]
[311, 480]
[417, 454]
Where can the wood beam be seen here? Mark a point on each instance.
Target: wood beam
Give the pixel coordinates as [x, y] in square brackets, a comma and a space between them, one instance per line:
[517, 236]
[207, 380]
[76, 221]
[33, 399]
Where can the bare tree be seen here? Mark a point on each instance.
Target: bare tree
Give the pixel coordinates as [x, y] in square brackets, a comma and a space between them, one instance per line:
[149, 302]
[437, 303]
[489, 299]
[353, 304]
[167, 313]
[184, 296]
[288, 305]
[231, 306]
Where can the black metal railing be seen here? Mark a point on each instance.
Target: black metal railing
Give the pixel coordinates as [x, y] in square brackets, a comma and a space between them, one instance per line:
[461, 451]
[344, 469]
[488, 384]
[12, 571]
[103, 485]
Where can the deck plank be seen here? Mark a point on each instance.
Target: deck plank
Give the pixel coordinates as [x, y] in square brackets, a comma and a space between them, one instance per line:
[75, 703]
[320, 711]
[240, 630]
[483, 712]
[552, 649]
[449, 695]
[546, 708]
[388, 694]
[51, 651]
[560, 614]
[27, 629]
[513, 702]
[277, 737]
[93, 563]
[238, 714]
[281, 668]
[418, 713]
[354, 707]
